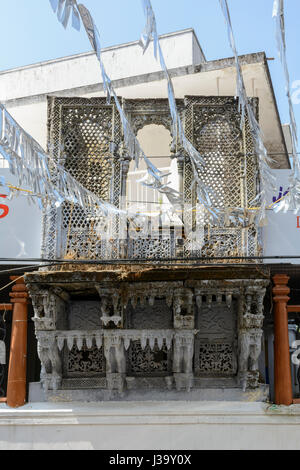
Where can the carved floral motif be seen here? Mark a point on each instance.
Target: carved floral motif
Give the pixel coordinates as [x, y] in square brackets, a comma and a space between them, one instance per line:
[227, 340]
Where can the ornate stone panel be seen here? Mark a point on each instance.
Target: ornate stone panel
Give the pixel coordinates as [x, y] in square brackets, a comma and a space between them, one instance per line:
[212, 124]
[216, 342]
[170, 331]
[156, 316]
[216, 359]
[85, 362]
[84, 136]
[151, 248]
[147, 361]
[49, 307]
[250, 334]
[84, 315]
[150, 111]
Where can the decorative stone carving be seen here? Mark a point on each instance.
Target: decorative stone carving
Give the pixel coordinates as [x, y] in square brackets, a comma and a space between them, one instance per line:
[79, 339]
[51, 365]
[183, 351]
[249, 352]
[225, 346]
[145, 112]
[215, 346]
[146, 361]
[216, 359]
[149, 325]
[217, 295]
[114, 352]
[84, 362]
[112, 305]
[49, 308]
[95, 155]
[108, 307]
[250, 336]
[85, 129]
[183, 307]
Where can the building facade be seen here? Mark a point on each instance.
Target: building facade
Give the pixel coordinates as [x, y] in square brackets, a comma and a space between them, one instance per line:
[160, 305]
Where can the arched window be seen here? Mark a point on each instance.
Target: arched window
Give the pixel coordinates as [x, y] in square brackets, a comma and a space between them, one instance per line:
[155, 141]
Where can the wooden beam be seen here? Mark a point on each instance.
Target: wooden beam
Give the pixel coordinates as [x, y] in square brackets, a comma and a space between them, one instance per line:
[6, 306]
[293, 308]
[3, 400]
[296, 401]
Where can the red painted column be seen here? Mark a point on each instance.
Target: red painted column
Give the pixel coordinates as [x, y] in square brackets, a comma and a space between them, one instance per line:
[282, 365]
[16, 383]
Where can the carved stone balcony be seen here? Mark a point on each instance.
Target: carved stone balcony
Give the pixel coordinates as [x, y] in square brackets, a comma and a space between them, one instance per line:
[114, 344]
[148, 329]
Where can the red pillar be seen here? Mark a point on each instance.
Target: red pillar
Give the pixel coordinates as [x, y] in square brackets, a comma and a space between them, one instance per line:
[282, 365]
[16, 383]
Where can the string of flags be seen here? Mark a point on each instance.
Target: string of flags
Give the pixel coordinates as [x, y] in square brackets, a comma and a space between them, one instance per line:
[292, 199]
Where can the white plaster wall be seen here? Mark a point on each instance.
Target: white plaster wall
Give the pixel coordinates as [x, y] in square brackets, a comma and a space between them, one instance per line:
[152, 426]
[32, 113]
[281, 235]
[120, 61]
[32, 117]
[21, 229]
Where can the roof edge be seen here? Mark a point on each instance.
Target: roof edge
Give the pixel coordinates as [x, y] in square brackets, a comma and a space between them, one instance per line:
[104, 49]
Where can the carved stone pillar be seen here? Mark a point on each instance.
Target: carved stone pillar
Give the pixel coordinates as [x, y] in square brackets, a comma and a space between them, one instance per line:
[183, 308]
[250, 336]
[111, 307]
[282, 372]
[51, 365]
[49, 316]
[49, 308]
[114, 352]
[183, 351]
[16, 383]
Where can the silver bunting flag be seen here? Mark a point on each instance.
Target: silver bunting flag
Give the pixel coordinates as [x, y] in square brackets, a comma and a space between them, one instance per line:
[150, 33]
[46, 179]
[292, 199]
[278, 13]
[64, 8]
[155, 180]
[3, 185]
[266, 176]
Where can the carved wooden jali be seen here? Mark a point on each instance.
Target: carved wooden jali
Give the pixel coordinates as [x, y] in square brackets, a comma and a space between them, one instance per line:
[85, 136]
[96, 332]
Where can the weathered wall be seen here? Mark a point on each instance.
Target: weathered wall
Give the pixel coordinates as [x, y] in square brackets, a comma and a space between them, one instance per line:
[136, 75]
[126, 60]
[281, 235]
